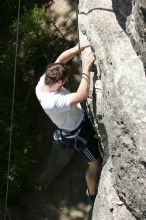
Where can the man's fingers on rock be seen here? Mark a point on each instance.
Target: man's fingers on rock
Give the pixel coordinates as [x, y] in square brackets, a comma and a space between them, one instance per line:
[92, 56]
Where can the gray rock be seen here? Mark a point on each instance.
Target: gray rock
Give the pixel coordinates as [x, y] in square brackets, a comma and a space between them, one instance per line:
[107, 205]
[123, 115]
[135, 23]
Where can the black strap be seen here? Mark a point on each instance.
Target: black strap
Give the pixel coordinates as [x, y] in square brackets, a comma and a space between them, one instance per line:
[73, 131]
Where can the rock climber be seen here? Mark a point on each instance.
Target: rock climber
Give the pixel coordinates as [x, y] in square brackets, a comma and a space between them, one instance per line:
[65, 111]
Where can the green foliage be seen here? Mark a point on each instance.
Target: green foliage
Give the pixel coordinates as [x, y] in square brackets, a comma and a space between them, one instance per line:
[37, 47]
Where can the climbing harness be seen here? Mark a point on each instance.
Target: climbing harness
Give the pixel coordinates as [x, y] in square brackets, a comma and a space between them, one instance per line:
[12, 110]
[75, 139]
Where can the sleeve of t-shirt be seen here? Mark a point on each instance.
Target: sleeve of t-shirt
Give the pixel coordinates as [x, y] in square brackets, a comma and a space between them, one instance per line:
[39, 85]
[62, 103]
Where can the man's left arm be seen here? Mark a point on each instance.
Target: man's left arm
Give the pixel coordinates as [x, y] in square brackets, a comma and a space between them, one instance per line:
[70, 53]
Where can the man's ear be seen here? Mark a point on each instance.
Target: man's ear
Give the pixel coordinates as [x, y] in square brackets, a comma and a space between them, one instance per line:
[60, 82]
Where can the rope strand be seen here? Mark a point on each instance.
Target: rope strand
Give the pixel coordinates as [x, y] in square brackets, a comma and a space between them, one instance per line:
[78, 35]
[12, 110]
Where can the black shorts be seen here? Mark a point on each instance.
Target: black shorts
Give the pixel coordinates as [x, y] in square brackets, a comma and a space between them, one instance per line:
[83, 140]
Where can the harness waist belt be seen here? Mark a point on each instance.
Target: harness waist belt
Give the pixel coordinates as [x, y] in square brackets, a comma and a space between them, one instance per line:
[73, 131]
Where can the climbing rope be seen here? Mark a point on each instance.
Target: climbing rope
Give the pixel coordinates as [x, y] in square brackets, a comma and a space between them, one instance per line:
[12, 111]
[78, 34]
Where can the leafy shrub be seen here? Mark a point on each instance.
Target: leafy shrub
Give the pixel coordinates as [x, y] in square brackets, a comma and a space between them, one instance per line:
[37, 47]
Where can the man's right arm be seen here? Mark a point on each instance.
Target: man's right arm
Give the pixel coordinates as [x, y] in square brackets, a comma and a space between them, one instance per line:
[70, 53]
[83, 89]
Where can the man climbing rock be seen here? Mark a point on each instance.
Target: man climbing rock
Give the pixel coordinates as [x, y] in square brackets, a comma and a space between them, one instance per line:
[75, 130]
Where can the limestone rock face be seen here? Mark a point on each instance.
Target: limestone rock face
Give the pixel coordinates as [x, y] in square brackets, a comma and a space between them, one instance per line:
[108, 205]
[134, 13]
[120, 116]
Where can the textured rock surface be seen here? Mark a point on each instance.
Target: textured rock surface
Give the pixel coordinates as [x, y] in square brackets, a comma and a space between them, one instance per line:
[122, 119]
[108, 205]
[134, 14]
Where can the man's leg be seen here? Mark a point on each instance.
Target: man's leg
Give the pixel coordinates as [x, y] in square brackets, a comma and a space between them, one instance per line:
[93, 175]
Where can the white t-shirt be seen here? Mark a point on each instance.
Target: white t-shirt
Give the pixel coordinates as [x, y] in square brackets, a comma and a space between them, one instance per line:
[57, 107]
